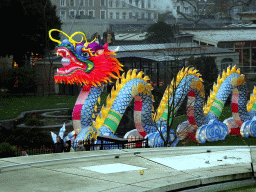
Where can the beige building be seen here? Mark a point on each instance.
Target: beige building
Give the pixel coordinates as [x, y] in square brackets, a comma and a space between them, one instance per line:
[91, 16]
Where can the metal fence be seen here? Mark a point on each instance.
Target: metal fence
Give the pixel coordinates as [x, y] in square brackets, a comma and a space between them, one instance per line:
[98, 145]
[89, 145]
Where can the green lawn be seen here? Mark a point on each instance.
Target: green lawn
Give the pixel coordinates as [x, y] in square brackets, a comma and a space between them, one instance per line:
[13, 106]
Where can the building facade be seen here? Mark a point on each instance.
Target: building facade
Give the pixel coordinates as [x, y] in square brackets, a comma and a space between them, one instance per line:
[91, 16]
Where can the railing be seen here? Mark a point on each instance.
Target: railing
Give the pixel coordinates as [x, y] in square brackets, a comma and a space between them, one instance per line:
[88, 145]
[104, 144]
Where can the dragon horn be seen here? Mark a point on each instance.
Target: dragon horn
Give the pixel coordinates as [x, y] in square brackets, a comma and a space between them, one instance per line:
[55, 40]
[86, 44]
[71, 40]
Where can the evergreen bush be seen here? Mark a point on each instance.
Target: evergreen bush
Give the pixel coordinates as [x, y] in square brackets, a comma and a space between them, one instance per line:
[7, 150]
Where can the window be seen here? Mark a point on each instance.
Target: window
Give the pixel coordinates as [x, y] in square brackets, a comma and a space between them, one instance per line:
[178, 8]
[81, 12]
[149, 4]
[137, 3]
[155, 15]
[72, 3]
[62, 3]
[124, 15]
[142, 15]
[72, 13]
[91, 14]
[91, 3]
[149, 15]
[142, 4]
[130, 15]
[110, 3]
[117, 3]
[117, 15]
[225, 63]
[123, 4]
[137, 15]
[111, 15]
[102, 14]
[82, 3]
[63, 15]
[130, 1]
[186, 9]
[102, 2]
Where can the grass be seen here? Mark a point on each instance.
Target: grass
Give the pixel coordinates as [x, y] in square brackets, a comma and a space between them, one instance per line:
[14, 106]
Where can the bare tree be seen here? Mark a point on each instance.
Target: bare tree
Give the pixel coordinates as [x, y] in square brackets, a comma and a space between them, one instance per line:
[207, 8]
[173, 101]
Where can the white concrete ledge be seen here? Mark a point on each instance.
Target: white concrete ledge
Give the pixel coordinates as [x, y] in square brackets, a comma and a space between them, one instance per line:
[158, 175]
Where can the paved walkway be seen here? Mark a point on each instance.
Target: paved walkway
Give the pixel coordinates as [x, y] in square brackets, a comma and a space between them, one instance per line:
[165, 169]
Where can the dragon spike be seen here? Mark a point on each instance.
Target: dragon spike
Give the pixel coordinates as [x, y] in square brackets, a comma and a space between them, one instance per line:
[93, 116]
[128, 75]
[228, 70]
[104, 112]
[238, 71]
[108, 101]
[140, 74]
[186, 70]
[254, 90]
[113, 93]
[95, 108]
[224, 74]
[118, 85]
[146, 78]
[123, 79]
[233, 70]
[134, 73]
[99, 99]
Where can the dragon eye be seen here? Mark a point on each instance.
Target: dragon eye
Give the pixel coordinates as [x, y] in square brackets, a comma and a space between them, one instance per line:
[85, 54]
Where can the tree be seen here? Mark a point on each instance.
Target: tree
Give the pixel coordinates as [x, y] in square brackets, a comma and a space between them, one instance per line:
[28, 23]
[208, 69]
[174, 102]
[160, 32]
[24, 77]
[207, 8]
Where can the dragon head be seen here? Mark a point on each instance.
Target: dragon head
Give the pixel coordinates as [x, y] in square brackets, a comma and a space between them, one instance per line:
[86, 63]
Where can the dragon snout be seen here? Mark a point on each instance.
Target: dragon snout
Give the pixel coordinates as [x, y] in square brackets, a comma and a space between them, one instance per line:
[66, 57]
[62, 53]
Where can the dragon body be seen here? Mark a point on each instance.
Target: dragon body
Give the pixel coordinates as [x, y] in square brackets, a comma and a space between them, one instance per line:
[90, 64]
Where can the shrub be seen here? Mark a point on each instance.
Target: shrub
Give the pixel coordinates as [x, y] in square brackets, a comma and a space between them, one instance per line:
[7, 150]
[34, 122]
